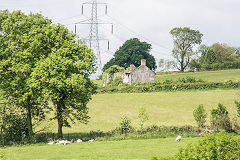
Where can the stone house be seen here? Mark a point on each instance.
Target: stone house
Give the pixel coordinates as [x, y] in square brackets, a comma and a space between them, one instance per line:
[140, 74]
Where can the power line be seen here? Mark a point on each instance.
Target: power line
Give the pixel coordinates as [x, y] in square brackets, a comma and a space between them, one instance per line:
[161, 46]
[64, 19]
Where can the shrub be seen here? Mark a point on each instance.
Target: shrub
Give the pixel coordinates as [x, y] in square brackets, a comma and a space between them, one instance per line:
[213, 147]
[238, 108]
[142, 116]
[221, 66]
[125, 124]
[14, 129]
[13, 126]
[116, 82]
[220, 118]
[110, 71]
[200, 116]
[189, 80]
[167, 86]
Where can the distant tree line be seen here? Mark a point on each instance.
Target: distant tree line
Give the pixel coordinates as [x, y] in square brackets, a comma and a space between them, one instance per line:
[188, 55]
[215, 57]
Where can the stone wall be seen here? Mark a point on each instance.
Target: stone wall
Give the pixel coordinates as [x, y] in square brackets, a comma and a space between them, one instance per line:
[143, 74]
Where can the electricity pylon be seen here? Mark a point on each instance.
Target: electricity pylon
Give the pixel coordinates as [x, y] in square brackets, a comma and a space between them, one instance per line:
[94, 38]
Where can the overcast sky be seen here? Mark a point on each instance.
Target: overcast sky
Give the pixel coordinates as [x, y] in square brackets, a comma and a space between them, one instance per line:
[148, 20]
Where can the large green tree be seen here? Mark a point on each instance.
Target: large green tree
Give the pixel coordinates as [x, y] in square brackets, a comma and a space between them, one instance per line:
[63, 78]
[184, 40]
[131, 52]
[218, 53]
[23, 42]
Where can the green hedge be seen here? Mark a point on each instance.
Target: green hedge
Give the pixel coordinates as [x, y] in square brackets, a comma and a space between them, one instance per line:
[158, 87]
[221, 66]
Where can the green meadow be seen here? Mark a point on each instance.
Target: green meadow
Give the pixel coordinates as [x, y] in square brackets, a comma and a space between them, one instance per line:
[210, 76]
[103, 150]
[106, 110]
[164, 108]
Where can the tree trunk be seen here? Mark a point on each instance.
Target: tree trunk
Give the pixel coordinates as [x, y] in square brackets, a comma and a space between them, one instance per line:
[29, 117]
[3, 126]
[182, 64]
[60, 119]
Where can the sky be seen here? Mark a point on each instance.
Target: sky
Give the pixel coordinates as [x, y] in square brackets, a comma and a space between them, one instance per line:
[148, 20]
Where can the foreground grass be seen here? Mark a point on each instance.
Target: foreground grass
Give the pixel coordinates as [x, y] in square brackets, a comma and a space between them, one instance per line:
[209, 76]
[105, 150]
[164, 108]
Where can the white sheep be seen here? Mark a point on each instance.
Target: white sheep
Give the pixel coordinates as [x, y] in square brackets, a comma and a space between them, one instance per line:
[179, 138]
[52, 142]
[79, 141]
[91, 140]
[60, 141]
[67, 142]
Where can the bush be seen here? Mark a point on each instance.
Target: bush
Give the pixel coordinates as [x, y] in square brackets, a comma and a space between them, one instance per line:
[222, 146]
[111, 71]
[221, 66]
[142, 116]
[238, 108]
[200, 116]
[189, 80]
[116, 82]
[125, 124]
[13, 126]
[220, 118]
[168, 86]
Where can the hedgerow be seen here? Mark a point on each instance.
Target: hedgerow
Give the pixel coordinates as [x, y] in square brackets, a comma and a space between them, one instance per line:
[220, 66]
[169, 86]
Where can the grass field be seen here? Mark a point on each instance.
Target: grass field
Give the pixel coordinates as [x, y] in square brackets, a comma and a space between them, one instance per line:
[105, 150]
[210, 76]
[164, 108]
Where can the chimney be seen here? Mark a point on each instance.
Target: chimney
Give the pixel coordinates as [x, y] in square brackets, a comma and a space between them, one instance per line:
[143, 62]
[132, 67]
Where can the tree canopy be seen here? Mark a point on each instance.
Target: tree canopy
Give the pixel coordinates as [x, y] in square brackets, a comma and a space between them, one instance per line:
[131, 52]
[218, 53]
[184, 40]
[40, 61]
[216, 56]
[23, 41]
[63, 77]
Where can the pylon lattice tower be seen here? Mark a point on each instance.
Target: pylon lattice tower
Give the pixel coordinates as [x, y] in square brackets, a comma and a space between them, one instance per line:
[93, 38]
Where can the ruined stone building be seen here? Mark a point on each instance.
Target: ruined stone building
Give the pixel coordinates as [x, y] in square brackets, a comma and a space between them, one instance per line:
[132, 74]
[140, 74]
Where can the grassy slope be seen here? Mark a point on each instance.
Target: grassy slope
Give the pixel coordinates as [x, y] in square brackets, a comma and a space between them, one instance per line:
[106, 150]
[164, 108]
[211, 76]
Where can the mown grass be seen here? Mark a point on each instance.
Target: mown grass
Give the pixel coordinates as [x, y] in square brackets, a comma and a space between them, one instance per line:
[102, 150]
[210, 76]
[164, 108]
